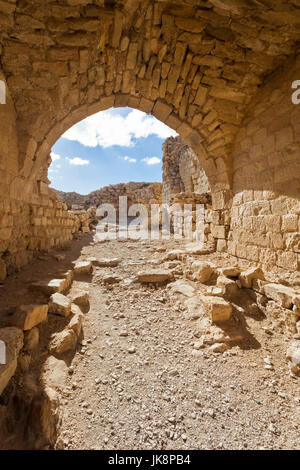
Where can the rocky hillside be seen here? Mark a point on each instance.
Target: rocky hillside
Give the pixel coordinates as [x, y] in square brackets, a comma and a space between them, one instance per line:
[71, 198]
[146, 193]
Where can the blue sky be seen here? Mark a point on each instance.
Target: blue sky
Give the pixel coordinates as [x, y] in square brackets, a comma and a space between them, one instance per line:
[113, 146]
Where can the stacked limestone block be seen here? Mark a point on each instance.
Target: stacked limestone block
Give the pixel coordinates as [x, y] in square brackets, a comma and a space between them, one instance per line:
[265, 223]
[197, 208]
[198, 66]
[185, 183]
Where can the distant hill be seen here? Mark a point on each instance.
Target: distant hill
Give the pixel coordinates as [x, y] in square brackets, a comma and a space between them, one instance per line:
[146, 193]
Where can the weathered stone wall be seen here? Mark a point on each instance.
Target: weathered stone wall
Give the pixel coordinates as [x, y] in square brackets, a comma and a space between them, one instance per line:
[182, 171]
[32, 218]
[28, 227]
[185, 183]
[265, 223]
[192, 174]
[194, 65]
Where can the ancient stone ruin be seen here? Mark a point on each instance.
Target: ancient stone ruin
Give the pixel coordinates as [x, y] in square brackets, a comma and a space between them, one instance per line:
[182, 171]
[214, 328]
[146, 193]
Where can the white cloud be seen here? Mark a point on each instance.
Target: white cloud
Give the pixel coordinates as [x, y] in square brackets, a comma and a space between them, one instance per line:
[151, 160]
[78, 161]
[54, 156]
[129, 159]
[108, 128]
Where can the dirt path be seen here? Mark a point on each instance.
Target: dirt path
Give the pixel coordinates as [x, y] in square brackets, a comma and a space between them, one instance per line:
[136, 384]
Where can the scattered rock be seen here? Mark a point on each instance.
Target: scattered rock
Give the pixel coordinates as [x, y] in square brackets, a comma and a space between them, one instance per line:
[218, 309]
[59, 257]
[83, 267]
[203, 270]
[79, 294]
[24, 361]
[60, 305]
[76, 323]
[246, 277]
[154, 276]
[107, 262]
[281, 294]
[194, 308]
[63, 342]
[111, 279]
[55, 373]
[215, 291]
[50, 287]
[228, 286]
[293, 355]
[174, 255]
[182, 287]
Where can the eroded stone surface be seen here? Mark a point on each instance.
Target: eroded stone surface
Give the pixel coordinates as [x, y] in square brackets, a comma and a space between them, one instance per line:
[282, 294]
[155, 276]
[28, 316]
[60, 305]
[63, 342]
[219, 309]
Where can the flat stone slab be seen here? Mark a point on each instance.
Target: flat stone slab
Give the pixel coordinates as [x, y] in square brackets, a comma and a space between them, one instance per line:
[218, 309]
[182, 287]
[281, 294]
[28, 316]
[59, 304]
[155, 276]
[83, 267]
[50, 287]
[215, 291]
[11, 342]
[196, 249]
[107, 262]
[76, 322]
[111, 279]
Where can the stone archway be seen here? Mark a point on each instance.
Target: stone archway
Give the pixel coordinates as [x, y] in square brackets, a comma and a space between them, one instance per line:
[160, 110]
[196, 67]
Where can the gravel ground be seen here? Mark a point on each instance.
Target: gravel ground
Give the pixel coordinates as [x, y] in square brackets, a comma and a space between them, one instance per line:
[135, 383]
